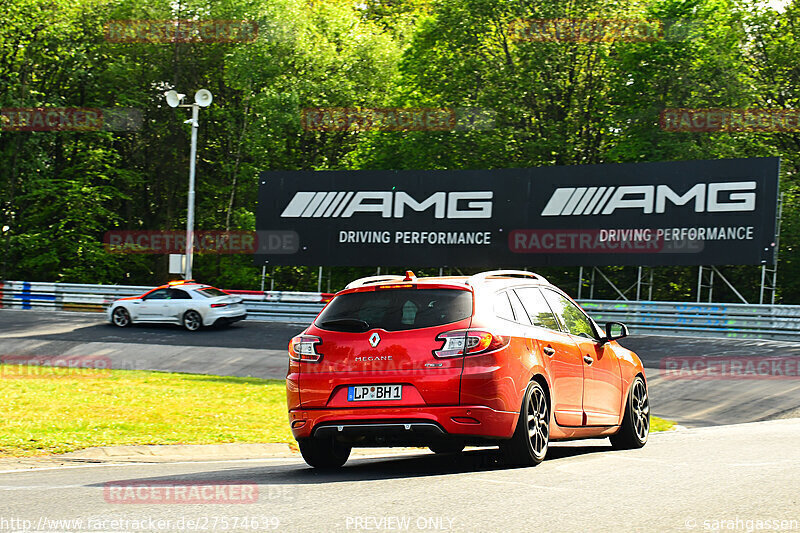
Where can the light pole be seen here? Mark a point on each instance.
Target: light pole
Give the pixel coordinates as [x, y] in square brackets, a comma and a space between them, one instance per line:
[6, 234]
[202, 98]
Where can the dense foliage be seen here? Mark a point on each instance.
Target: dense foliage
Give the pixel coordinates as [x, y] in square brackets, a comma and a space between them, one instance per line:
[554, 102]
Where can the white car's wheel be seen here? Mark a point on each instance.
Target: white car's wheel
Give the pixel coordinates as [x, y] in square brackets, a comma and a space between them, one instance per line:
[120, 317]
[192, 320]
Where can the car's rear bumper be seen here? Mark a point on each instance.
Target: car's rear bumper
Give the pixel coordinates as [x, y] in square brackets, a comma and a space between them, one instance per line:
[229, 319]
[389, 424]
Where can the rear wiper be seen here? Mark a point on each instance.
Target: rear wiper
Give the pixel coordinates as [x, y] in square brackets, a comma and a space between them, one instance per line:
[349, 323]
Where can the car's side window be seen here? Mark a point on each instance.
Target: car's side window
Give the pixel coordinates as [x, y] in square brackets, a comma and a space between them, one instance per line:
[539, 312]
[178, 294]
[570, 315]
[160, 294]
[520, 313]
[502, 306]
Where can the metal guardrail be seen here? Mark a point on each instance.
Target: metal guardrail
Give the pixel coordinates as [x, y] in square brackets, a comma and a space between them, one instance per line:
[781, 322]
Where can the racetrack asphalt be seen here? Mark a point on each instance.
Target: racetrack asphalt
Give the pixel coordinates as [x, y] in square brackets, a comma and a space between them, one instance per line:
[680, 481]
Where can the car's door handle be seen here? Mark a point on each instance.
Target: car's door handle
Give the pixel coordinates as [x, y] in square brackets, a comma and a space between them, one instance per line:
[588, 359]
[548, 350]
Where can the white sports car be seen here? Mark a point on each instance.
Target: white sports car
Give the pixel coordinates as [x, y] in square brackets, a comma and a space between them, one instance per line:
[187, 303]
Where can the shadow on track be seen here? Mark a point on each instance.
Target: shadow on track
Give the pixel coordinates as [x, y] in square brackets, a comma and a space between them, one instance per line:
[371, 469]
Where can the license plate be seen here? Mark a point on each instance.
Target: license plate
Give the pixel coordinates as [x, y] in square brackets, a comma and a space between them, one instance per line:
[367, 393]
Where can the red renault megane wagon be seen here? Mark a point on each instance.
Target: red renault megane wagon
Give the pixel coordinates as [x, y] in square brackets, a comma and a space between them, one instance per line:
[499, 358]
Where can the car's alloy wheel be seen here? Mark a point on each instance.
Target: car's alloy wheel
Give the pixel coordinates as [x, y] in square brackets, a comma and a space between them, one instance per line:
[528, 445]
[192, 320]
[120, 317]
[636, 422]
[641, 411]
[538, 421]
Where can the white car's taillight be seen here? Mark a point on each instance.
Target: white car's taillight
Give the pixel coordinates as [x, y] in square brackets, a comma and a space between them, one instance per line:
[459, 342]
[304, 348]
[219, 305]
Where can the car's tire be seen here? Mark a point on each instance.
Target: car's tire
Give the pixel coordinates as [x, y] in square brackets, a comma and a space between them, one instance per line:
[192, 320]
[452, 446]
[120, 317]
[635, 426]
[325, 454]
[528, 445]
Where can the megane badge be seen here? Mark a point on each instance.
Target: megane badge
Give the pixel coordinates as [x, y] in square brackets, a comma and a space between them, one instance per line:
[374, 339]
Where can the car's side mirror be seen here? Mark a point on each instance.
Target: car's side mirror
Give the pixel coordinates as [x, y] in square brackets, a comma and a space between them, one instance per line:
[615, 330]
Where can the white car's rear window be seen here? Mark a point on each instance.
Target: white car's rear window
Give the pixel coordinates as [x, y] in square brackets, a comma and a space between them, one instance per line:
[211, 292]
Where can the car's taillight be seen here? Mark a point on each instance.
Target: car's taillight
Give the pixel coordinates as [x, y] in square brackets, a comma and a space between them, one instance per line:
[219, 305]
[468, 342]
[304, 348]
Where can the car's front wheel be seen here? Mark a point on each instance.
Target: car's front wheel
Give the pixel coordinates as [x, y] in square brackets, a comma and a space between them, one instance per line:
[192, 320]
[636, 423]
[324, 453]
[120, 317]
[529, 444]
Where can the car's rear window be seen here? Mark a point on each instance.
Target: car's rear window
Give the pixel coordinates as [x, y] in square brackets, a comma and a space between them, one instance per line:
[395, 309]
[211, 292]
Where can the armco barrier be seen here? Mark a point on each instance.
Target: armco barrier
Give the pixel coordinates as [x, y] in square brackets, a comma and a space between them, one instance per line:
[781, 322]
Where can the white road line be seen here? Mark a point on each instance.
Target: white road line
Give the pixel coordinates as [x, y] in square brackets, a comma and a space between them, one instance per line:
[530, 485]
[152, 463]
[43, 487]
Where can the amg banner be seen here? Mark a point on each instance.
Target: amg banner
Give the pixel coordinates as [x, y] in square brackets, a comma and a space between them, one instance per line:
[719, 212]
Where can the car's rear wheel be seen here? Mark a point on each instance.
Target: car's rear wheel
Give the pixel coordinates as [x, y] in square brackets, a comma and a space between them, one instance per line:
[324, 453]
[192, 320]
[529, 444]
[120, 317]
[447, 447]
[636, 423]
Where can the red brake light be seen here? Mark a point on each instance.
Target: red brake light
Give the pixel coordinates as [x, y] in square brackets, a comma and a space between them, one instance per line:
[458, 343]
[219, 305]
[304, 348]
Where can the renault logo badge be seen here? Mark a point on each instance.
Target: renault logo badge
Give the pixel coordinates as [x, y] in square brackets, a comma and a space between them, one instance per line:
[374, 339]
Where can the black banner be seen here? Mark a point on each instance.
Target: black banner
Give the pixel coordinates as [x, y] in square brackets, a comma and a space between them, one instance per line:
[719, 212]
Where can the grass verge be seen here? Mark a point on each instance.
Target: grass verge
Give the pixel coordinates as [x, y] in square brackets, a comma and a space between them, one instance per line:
[48, 410]
[659, 424]
[56, 410]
